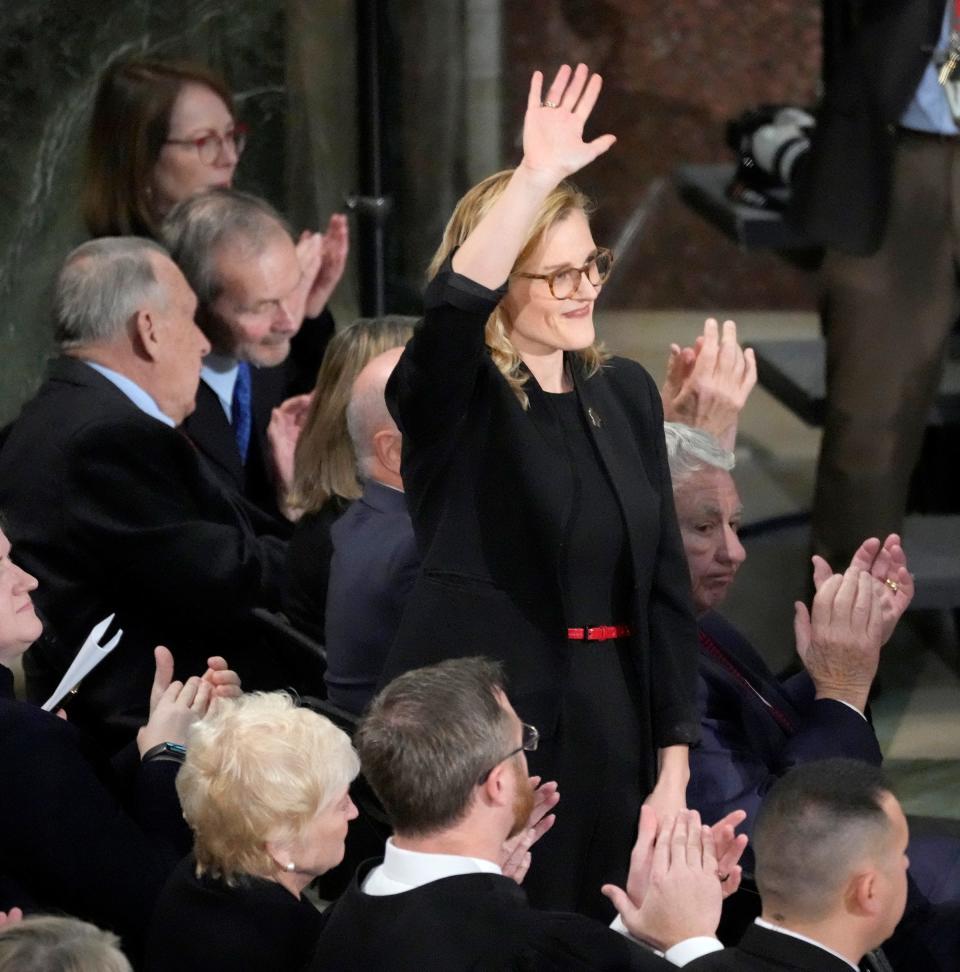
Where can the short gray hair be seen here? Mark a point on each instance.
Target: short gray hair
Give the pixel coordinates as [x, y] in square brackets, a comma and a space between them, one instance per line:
[429, 737]
[48, 943]
[198, 227]
[691, 450]
[102, 285]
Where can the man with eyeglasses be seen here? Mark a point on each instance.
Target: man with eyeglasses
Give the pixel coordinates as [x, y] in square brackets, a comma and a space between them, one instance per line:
[444, 751]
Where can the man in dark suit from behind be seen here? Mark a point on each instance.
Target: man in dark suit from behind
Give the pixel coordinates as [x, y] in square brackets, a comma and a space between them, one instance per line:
[831, 850]
[444, 751]
[112, 508]
[375, 560]
[238, 255]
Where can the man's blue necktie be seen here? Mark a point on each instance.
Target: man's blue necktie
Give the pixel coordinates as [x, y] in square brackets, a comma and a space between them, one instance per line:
[242, 419]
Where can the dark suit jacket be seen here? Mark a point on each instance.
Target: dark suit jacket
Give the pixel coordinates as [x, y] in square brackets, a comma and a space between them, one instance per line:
[472, 921]
[374, 565]
[78, 834]
[113, 511]
[762, 950]
[874, 56]
[487, 483]
[202, 925]
[743, 749]
[213, 435]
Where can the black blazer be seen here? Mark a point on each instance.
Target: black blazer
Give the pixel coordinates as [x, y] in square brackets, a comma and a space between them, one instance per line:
[762, 950]
[203, 925]
[79, 834]
[480, 475]
[473, 921]
[113, 511]
[874, 57]
[211, 432]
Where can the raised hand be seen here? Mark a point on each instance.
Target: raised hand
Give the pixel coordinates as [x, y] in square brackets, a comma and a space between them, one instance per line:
[553, 145]
[706, 386]
[283, 432]
[327, 262]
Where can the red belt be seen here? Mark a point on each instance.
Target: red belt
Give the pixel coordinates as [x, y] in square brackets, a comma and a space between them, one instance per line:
[602, 632]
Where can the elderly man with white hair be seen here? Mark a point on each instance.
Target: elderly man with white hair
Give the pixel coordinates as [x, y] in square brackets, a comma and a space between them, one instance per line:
[754, 727]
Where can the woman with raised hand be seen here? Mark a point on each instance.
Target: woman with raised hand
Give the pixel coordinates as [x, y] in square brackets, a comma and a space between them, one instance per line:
[536, 475]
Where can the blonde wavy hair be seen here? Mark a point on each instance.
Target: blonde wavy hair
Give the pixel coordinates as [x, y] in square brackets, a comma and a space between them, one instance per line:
[563, 200]
[324, 463]
[258, 768]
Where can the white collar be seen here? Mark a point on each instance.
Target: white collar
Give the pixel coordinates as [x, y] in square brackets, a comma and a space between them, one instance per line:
[403, 870]
[803, 938]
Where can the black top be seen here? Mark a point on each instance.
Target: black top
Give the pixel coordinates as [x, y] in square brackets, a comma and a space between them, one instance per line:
[471, 921]
[68, 843]
[595, 565]
[488, 486]
[203, 925]
[308, 568]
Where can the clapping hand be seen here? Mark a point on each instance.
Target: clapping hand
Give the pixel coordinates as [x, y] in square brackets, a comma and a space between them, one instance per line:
[839, 640]
[323, 258]
[515, 855]
[706, 386]
[175, 706]
[681, 895]
[886, 562]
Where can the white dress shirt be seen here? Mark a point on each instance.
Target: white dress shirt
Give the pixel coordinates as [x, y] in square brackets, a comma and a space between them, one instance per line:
[142, 399]
[219, 373]
[403, 870]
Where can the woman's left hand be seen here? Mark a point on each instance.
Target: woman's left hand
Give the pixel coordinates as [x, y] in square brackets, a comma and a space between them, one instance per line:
[669, 796]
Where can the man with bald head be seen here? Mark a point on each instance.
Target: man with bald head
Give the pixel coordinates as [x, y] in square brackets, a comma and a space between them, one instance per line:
[375, 559]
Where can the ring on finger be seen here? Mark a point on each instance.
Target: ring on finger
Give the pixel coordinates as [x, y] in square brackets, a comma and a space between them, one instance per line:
[892, 584]
[549, 104]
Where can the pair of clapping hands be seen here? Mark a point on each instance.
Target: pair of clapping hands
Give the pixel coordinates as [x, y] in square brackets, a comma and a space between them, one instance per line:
[175, 705]
[680, 871]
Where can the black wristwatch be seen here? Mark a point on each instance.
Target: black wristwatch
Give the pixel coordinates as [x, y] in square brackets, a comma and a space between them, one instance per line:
[168, 752]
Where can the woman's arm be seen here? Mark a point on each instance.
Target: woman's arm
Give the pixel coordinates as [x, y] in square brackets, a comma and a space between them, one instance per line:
[553, 149]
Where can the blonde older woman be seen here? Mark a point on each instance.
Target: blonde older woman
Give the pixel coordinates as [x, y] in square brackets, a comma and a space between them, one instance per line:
[265, 789]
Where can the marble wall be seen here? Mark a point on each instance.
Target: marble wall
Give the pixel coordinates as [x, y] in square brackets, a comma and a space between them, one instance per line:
[51, 54]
